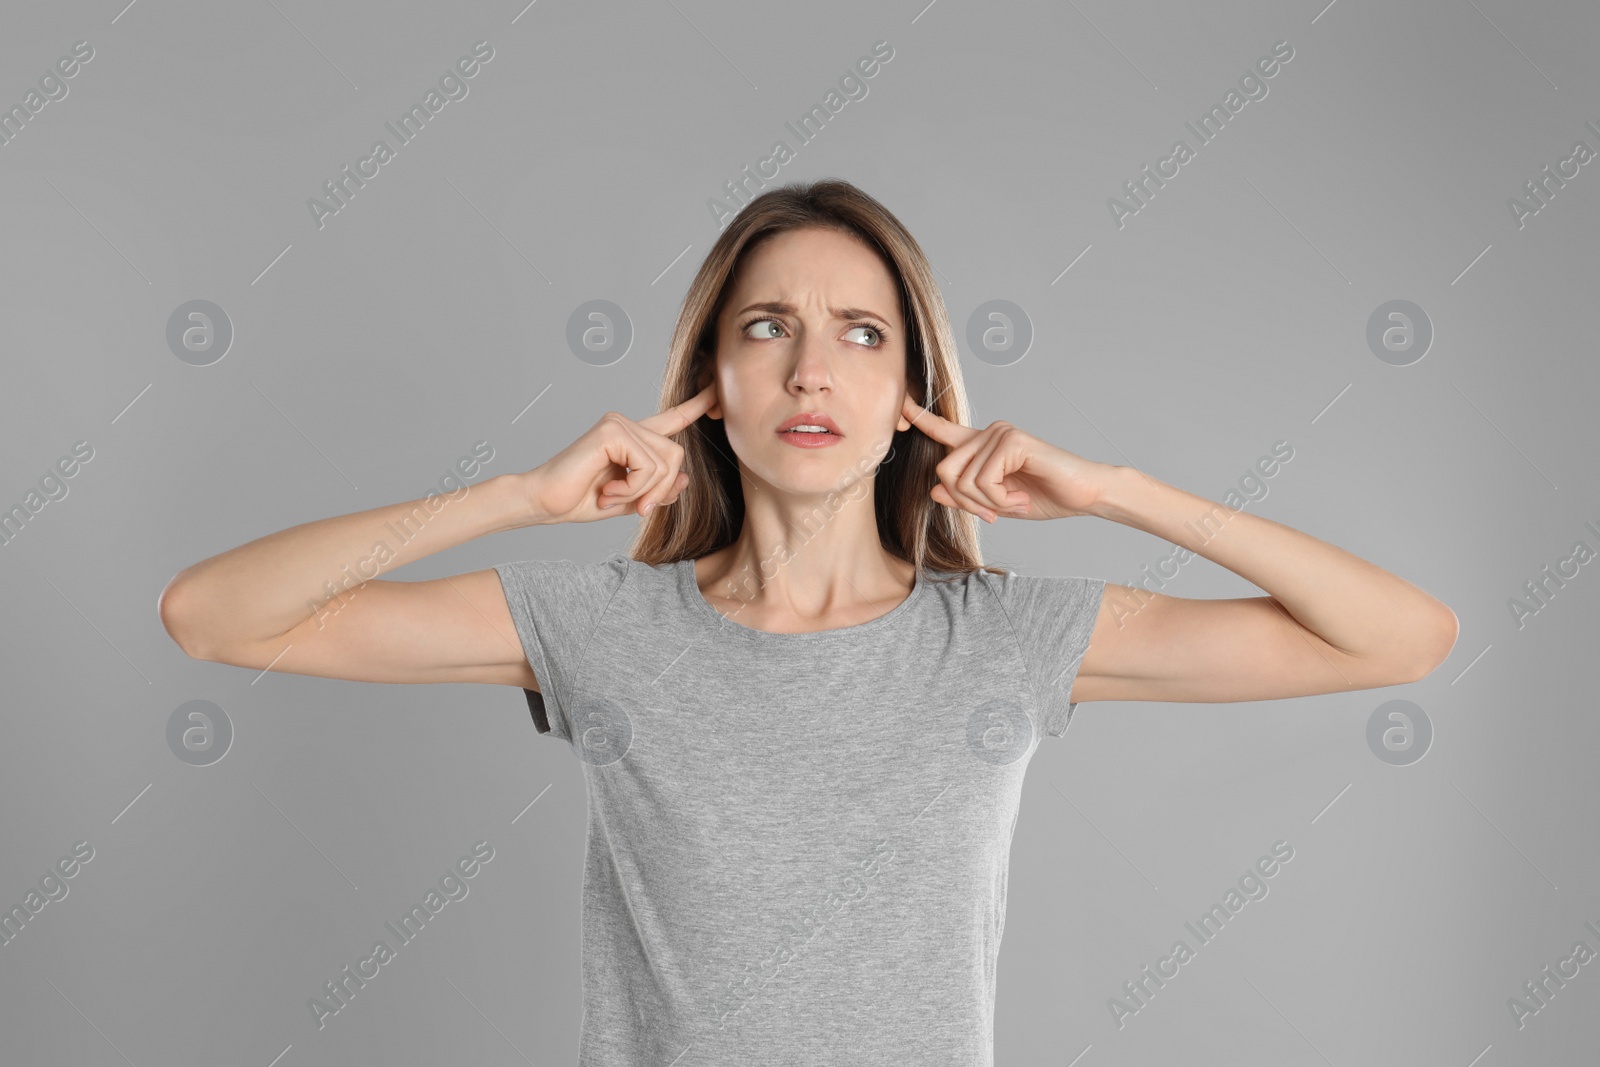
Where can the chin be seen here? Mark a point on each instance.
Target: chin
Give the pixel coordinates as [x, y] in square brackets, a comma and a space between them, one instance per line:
[808, 471]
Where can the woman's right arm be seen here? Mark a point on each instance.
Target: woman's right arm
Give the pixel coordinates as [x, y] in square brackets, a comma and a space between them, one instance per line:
[306, 600]
[300, 601]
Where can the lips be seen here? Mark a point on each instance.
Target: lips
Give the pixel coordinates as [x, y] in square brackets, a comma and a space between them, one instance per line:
[811, 419]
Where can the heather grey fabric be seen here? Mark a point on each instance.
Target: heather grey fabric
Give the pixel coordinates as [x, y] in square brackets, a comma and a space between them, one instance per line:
[797, 843]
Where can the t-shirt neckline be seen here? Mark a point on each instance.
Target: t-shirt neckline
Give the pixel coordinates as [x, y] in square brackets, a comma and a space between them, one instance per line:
[703, 607]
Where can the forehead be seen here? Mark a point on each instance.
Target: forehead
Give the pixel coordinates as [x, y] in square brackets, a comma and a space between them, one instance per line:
[823, 266]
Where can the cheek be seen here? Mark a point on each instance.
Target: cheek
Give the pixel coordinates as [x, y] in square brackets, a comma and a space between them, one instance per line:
[738, 387]
[746, 398]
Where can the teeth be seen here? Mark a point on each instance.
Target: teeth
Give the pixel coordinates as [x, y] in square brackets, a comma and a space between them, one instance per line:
[808, 429]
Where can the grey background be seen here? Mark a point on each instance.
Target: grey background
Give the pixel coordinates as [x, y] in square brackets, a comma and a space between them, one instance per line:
[370, 354]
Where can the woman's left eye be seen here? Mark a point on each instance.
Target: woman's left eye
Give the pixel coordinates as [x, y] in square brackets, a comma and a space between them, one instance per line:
[877, 337]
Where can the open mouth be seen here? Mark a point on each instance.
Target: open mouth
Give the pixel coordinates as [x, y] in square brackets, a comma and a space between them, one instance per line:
[803, 437]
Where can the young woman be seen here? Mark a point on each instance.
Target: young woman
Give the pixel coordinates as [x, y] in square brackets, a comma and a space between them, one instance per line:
[803, 704]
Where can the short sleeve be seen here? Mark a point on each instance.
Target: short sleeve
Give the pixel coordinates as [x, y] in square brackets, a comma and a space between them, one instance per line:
[1053, 619]
[556, 606]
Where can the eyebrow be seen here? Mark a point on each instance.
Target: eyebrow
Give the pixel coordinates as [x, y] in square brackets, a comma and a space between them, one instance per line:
[778, 307]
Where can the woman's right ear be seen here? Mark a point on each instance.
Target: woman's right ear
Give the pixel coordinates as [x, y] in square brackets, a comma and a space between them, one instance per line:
[704, 381]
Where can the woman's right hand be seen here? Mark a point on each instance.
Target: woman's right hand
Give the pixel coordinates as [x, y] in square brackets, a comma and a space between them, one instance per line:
[617, 466]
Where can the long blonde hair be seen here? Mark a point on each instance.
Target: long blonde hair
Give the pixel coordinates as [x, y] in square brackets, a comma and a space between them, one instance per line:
[709, 513]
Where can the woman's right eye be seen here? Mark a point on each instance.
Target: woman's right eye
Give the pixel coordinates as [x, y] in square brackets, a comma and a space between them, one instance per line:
[761, 322]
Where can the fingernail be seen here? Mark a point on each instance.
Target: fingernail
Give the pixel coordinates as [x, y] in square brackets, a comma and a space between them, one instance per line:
[647, 508]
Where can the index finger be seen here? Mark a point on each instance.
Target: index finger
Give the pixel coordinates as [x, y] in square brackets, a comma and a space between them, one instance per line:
[680, 417]
[940, 429]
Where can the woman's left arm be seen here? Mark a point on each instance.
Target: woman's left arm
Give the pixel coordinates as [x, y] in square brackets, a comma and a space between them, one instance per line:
[1331, 622]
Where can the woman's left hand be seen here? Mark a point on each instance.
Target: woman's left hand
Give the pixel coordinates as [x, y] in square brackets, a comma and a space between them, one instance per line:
[1001, 470]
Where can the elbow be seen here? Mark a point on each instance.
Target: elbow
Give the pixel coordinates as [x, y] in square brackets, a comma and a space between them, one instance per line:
[1445, 629]
[172, 608]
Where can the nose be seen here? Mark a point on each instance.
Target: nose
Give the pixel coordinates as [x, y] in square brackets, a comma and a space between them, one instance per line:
[812, 370]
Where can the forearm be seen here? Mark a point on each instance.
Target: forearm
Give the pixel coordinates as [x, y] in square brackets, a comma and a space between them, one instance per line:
[1350, 603]
[266, 587]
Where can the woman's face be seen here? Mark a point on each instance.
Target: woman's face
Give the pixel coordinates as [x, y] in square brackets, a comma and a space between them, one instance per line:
[811, 326]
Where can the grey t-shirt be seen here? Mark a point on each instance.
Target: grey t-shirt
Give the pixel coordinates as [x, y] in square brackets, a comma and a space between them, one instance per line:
[797, 843]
